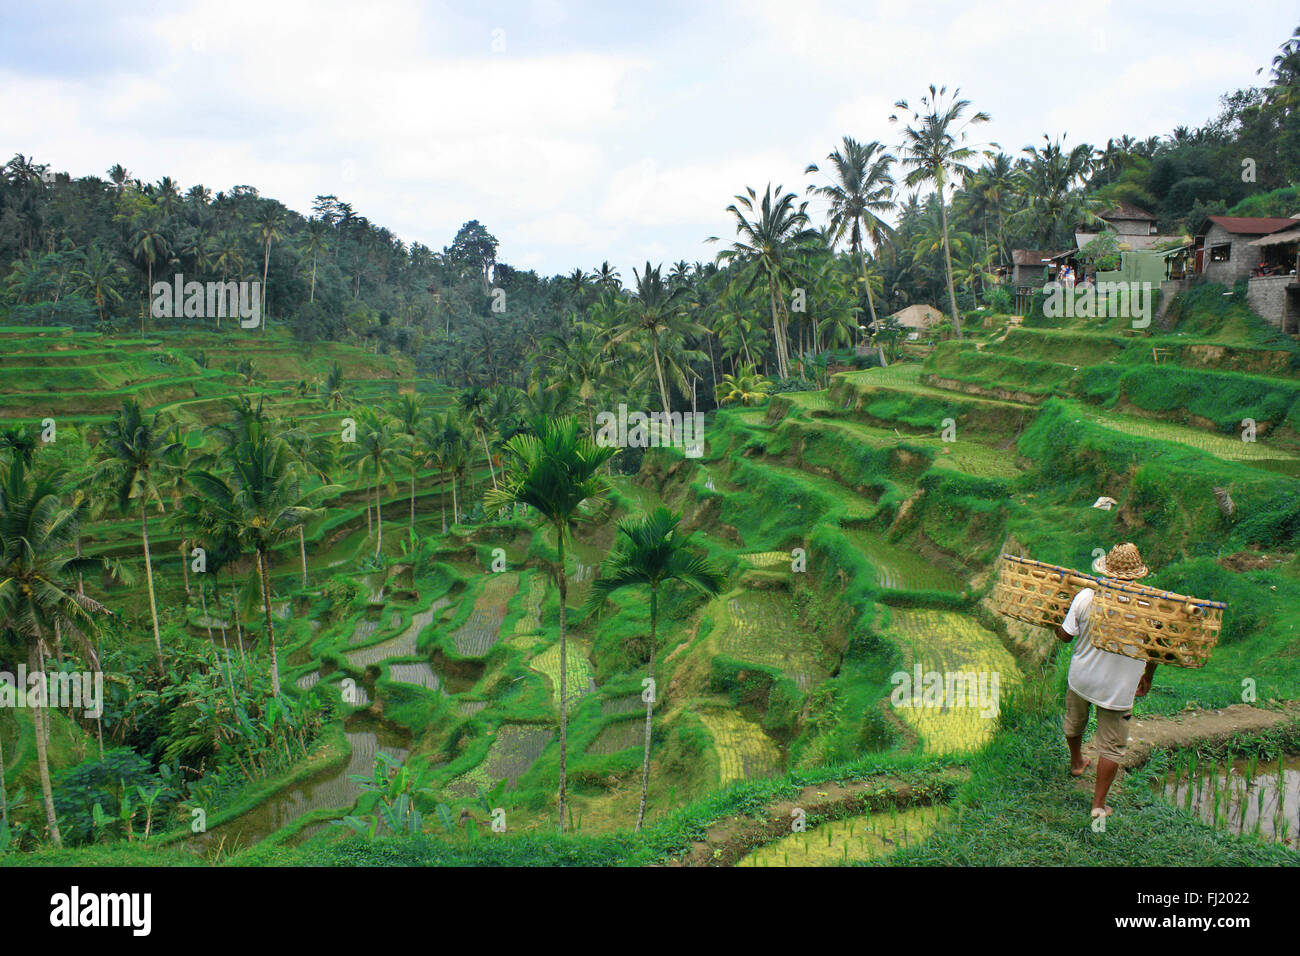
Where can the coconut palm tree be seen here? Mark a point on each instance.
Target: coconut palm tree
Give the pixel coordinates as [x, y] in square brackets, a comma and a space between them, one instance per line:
[607, 277]
[135, 455]
[449, 451]
[268, 229]
[654, 319]
[314, 243]
[314, 456]
[768, 238]
[473, 402]
[100, 276]
[555, 469]
[149, 245]
[935, 150]
[263, 500]
[375, 453]
[336, 392]
[653, 553]
[410, 413]
[861, 194]
[37, 599]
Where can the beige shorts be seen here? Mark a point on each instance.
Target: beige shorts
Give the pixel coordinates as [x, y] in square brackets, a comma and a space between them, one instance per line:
[1112, 725]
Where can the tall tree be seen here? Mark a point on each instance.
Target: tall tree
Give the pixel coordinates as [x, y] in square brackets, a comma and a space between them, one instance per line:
[37, 598]
[936, 150]
[768, 238]
[653, 553]
[555, 469]
[861, 194]
[135, 454]
[269, 228]
[264, 501]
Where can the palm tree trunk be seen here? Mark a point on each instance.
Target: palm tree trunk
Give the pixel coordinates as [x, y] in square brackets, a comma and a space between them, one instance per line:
[564, 678]
[649, 707]
[302, 552]
[148, 574]
[185, 567]
[39, 719]
[455, 507]
[442, 499]
[947, 261]
[379, 522]
[239, 627]
[488, 455]
[264, 572]
[207, 621]
[370, 524]
[4, 797]
[663, 390]
[266, 263]
[312, 297]
[412, 494]
[777, 340]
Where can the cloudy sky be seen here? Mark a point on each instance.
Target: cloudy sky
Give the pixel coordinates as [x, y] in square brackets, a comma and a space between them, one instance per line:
[578, 132]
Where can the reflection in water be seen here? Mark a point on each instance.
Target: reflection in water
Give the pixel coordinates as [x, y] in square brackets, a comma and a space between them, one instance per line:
[1262, 800]
[334, 789]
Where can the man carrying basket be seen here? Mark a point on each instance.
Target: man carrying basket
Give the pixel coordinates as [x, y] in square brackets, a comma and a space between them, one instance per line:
[1107, 680]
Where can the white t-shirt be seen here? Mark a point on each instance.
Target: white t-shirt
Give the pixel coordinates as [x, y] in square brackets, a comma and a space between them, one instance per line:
[1107, 680]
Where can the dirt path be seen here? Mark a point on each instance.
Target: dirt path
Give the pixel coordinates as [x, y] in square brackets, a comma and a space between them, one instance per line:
[1180, 730]
[727, 841]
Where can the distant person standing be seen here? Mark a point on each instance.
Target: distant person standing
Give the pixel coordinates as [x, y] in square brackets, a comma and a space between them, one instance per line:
[1103, 679]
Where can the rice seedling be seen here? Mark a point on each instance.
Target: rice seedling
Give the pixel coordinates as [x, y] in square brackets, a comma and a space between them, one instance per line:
[763, 627]
[744, 751]
[839, 842]
[515, 748]
[947, 643]
[581, 677]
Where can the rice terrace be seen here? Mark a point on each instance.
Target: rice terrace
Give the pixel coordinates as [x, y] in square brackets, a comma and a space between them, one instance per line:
[844, 543]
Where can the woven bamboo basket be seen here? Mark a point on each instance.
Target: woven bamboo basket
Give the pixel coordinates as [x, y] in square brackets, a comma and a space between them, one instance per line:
[1126, 617]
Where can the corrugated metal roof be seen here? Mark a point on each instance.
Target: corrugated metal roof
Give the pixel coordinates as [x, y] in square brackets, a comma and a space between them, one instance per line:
[1252, 225]
[1030, 257]
[1290, 235]
[1125, 210]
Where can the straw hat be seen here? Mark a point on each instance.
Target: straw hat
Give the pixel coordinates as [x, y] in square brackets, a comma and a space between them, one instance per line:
[1123, 562]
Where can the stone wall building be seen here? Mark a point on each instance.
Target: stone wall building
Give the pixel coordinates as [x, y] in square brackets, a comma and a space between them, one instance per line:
[1223, 245]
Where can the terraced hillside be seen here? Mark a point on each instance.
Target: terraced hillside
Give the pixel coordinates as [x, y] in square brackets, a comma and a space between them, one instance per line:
[856, 528]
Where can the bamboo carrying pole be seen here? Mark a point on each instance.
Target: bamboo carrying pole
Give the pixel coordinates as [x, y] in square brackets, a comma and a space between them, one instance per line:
[1126, 617]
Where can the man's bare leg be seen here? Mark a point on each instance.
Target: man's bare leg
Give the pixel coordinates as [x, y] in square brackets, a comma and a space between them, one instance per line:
[1078, 763]
[1106, 770]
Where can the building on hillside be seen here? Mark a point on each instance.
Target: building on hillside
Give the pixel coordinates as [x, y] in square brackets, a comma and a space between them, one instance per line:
[1126, 219]
[1032, 266]
[1134, 229]
[1273, 290]
[918, 317]
[1224, 250]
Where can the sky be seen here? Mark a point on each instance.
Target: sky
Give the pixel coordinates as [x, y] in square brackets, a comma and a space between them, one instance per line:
[580, 132]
